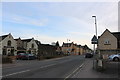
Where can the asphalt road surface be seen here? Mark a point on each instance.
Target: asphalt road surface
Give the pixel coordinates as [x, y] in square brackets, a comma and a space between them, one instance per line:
[63, 67]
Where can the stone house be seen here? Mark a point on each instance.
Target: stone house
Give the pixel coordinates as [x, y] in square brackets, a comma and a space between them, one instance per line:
[8, 45]
[74, 49]
[109, 42]
[20, 46]
[30, 45]
[48, 50]
[68, 48]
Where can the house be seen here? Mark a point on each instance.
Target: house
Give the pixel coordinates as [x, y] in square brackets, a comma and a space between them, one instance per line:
[86, 49]
[109, 42]
[74, 49]
[8, 45]
[68, 48]
[71, 48]
[30, 45]
[20, 46]
[58, 48]
[48, 50]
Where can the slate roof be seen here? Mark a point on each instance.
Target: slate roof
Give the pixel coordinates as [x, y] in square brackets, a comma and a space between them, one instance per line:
[37, 42]
[3, 37]
[116, 34]
[17, 39]
[27, 40]
[67, 44]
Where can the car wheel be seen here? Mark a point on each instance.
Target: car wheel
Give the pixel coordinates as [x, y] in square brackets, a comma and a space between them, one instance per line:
[116, 59]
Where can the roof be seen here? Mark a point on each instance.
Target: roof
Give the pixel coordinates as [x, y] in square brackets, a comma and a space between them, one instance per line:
[37, 42]
[78, 46]
[27, 40]
[116, 34]
[103, 33]
[17, 39]
[3, 37]
[67, 44]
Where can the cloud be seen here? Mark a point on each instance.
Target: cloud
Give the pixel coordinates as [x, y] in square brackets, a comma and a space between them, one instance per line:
[25, 20]
[64, 20]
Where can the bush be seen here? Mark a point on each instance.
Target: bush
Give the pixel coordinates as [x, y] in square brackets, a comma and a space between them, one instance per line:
[6, 60]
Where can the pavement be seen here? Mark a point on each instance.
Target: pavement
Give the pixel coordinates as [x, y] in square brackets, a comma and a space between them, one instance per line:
[87, 71]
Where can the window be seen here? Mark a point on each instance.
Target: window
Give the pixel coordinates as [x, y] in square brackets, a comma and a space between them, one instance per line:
[107, 42]
[9, 43]
[32, 45]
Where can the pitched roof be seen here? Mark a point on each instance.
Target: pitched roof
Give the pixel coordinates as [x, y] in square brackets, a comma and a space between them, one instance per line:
[27, 40]
[116, 34]
[17, 39]
[3, 37]
[103, 33]
[37, 42]
[67, 44]
[78, 46]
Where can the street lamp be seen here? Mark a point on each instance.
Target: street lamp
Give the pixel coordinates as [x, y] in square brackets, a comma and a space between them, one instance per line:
[95, 24]
[95, 27]
[95, 61]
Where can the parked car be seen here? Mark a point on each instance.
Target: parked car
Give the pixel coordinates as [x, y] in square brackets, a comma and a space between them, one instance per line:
[114, 57]
[25, 56]
[31, 56]
[88, 55]
[21, 56]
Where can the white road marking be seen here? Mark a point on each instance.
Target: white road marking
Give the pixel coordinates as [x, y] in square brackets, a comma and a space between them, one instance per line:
[47, 66]
[74, 71]
[77, 72]
[16, 73]
[54, 64]
[30, 70]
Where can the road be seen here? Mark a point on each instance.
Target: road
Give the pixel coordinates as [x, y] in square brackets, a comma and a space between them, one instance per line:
[63, 67]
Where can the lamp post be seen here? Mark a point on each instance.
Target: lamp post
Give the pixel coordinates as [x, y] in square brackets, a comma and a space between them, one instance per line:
[95, 29]
[95, 61]
[95, 24]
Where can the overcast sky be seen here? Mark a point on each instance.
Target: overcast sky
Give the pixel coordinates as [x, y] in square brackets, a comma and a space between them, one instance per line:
[58, 21]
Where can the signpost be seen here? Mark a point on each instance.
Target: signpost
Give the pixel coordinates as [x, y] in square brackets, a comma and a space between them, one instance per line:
[94, 41]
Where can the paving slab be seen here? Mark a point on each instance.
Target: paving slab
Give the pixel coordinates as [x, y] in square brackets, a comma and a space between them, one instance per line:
[87, 71]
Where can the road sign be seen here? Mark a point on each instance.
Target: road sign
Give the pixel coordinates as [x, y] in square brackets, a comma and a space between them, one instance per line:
[94, 40]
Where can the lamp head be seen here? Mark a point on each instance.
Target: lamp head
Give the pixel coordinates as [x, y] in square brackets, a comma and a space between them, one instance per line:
[93, 16]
